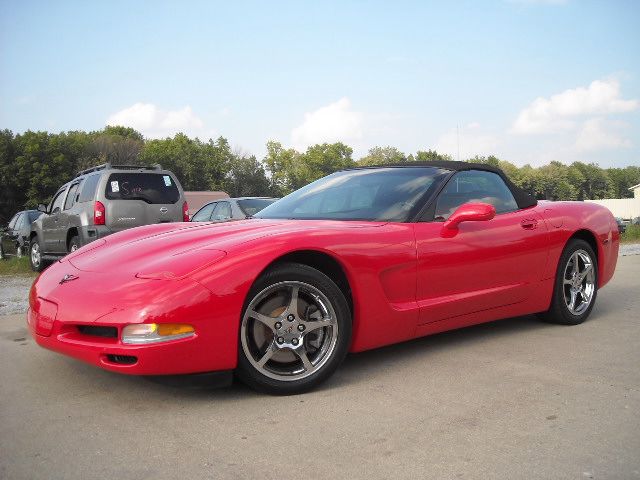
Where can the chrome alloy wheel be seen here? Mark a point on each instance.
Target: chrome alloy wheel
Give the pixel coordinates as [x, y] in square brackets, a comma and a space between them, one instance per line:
[578, 283]
[36, 256]
[289, 331]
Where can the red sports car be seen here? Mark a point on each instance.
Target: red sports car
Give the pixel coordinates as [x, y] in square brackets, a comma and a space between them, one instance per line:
[359, 259]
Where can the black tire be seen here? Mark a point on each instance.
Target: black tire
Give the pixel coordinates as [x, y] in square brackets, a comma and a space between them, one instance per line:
[41, 264]
[559, 311]
[74, 244]
[338, 335]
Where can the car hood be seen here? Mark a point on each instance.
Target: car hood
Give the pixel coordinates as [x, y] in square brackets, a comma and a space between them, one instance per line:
[149, 250]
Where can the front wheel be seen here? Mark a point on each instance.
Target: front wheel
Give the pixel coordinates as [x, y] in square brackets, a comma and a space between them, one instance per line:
[295, 330]
[576, 285]
[74, 244]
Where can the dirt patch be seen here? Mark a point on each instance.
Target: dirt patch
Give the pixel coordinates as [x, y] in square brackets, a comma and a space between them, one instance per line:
[14, 293]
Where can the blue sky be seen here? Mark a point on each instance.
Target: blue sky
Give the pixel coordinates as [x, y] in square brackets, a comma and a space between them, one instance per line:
[529, 81]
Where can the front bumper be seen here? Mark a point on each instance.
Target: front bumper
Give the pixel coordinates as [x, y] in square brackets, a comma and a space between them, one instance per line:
[83, 318]
[167, 358]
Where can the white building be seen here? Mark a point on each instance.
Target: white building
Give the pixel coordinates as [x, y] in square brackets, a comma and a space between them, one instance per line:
[625, 208]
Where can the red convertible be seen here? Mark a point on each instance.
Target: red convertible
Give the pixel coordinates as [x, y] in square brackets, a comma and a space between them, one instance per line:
[359, 259]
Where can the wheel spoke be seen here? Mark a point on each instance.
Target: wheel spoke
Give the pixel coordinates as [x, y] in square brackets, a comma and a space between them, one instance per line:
[264, 319]
[585, 272]
[315, 325]
[572, 302]
[576, 268]
[293, 303]
[304, 357]
[271, 349]
[567, 282]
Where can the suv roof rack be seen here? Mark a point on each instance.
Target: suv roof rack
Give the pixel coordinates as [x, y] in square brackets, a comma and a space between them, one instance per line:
[109, 166]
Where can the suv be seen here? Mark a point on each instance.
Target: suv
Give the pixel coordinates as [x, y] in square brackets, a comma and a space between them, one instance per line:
[104, 200]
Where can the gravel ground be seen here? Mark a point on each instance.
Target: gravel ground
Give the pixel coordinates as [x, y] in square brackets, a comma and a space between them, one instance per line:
[14, 290]
[14, 293]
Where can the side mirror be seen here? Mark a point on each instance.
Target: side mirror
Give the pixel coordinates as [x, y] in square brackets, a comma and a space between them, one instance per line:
[470, 212]
[42, 208]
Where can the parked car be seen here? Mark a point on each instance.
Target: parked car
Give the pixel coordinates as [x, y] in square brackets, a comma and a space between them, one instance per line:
[102, 200]
[622, 226]
[14, 237]
[636, 221]
[359, 259]
[231, 209]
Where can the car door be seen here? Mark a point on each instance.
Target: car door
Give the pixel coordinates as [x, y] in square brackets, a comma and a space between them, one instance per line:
[68, 214]
[10, 235]
[481, 265]
[51, 228]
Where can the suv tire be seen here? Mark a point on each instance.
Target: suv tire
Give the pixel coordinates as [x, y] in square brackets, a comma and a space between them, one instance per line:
[35, 255]
[74, 244]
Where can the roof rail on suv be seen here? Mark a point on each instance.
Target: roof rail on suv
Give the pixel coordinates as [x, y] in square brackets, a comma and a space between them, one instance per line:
[108, 166]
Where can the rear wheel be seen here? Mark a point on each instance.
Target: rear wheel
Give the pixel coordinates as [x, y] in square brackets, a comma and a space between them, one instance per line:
[576, 285]
[35, 255]
[74, 244]
[295, 330]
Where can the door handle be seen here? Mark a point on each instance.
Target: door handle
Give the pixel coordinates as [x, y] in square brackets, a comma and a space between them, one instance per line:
[529, 223]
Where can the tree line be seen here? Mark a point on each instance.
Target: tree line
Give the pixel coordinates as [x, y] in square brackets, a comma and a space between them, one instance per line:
[33, 165]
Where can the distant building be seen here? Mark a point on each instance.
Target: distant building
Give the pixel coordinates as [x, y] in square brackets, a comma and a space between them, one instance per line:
[625, 208]
[196, 200]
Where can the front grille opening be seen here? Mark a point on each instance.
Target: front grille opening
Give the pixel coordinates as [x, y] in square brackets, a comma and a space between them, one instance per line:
[105, 332]
[122, 359]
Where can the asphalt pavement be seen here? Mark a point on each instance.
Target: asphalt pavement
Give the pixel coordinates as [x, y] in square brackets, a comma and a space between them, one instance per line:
[514, 399]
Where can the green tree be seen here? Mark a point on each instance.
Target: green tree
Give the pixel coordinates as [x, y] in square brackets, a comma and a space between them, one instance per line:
[383, 156]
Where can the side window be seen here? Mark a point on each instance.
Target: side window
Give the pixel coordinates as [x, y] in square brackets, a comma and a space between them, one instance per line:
[12, 222]
[20, 223]
[222, 211]
[204, 214]
[88, 190]
[56, 205]
[71, 197]
[474, 186]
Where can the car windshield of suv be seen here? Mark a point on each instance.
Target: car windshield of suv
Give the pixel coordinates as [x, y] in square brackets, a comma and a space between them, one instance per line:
[251, 206]
[376, 194]
[148, 187]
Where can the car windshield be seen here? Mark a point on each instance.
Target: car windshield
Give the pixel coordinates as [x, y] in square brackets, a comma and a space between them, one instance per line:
[251, 206]
[375, 194]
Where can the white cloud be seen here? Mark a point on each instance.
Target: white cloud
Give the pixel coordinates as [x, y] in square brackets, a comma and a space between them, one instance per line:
[154, 122]
[335, 122]
[559, 112]
[596, 134]
[471, 139]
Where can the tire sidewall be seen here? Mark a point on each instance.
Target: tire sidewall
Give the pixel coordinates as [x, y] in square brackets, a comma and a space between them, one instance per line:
[298, 273]
[559, 309]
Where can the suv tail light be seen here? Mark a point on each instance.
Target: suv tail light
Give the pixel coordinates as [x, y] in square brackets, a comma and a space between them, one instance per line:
[185, 212]
[98, 213]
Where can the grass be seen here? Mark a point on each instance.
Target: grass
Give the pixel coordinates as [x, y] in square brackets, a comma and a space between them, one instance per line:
[16, 266]
[632, 235]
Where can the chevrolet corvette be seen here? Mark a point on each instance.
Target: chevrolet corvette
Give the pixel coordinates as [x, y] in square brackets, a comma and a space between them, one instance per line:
[359, 259]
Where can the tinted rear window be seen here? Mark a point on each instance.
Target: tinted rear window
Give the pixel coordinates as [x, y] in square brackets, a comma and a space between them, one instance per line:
[251, 206]
[149, 187]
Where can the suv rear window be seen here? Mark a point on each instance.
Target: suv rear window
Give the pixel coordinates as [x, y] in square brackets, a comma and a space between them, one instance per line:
[149, 187]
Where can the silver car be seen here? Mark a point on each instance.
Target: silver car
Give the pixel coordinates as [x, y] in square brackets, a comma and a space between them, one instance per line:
[229, 209]
[103, 200]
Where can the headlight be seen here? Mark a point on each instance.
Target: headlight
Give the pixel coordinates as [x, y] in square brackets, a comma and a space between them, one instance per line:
[141, 333]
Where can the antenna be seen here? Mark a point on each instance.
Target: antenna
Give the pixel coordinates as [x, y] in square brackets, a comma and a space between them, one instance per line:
[458, 139]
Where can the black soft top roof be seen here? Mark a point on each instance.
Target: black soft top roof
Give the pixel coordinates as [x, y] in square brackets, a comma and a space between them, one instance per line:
[522, 198]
